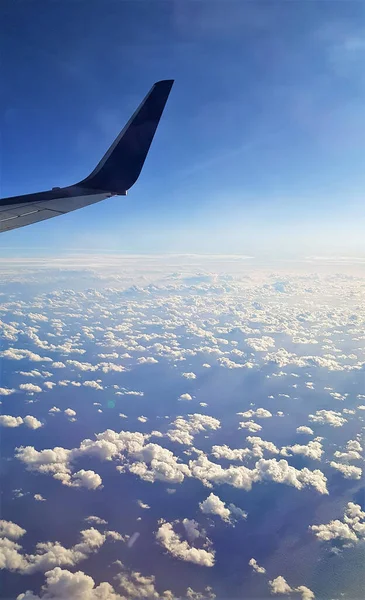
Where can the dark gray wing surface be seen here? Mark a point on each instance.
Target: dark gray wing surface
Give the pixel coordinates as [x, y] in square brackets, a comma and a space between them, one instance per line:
[117, 171]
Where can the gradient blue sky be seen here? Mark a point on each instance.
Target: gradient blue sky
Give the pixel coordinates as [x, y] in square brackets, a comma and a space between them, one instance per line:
[261, 149]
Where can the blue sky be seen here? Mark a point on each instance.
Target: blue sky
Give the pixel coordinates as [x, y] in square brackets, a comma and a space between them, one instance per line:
[261, 147]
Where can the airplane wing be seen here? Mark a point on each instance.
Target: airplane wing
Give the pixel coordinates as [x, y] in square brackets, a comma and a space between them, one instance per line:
[117, 171]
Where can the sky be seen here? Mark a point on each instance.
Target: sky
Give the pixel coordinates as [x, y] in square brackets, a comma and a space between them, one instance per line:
[261, 147]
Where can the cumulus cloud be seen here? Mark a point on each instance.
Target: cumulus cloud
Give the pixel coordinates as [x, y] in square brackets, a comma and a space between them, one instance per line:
[305, 429]
[11, 530]
[185, 397]
[39, 498]
[256, 567]
[30, 388]
[265, 470]
[352, 451]
[213, 505]
[88, 479]
[94, 520]
[9, 421]
[69, 412]
[279, 585]
[149, 360]
[20, 354]
[330, 417]
[62, 584]
[29, 421]
[184, 429]
[259, 413]
[312, 450]
[189, 375]
[6, 391]
[349, 531]
[250, 425]
[182, 549]
[348, 471]
[48, 554]
[93, 384]
[32, 422]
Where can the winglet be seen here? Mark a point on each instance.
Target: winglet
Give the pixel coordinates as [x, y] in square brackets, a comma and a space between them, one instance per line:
[120, 167]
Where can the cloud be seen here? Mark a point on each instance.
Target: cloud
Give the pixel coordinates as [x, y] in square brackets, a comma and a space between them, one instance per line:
[330, 417]
[9, 421]
[149, 360]
[348, 471]
[259, 413]
[265, 470]
[185, 397]
[11, 530]
[280, 586]
[30, 388]
[189, 375]
[186, 428]
[213, 505]
[48, 554]
[305, 429]
[182, 549]
[93, 384]
[6, 391]
[142, 419]
[88, 479]
[32, 422]
[350, 531]
[256, 567]
[39, 498]
[61, 584]
[353, 451]
[312, 450]
[260, 344]
[19, 354]
[250, 425]
[29, 421]
[94, 520]
[70, 412]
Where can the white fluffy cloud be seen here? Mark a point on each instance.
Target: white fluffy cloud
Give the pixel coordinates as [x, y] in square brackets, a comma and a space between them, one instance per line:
[47, 554]
[305, 429]
[330, 417]
[29, 421]
[256, 567]
[250, 425]
[30, 388]
[11, 530]
[6, 391]
[183, 549]
[259, 413]
[184, 429]
[185, 397]
[264, 470]
[9, 421]
[62, 584]
[32, 422]
[279, 585]
[348, 471]
[350, 531]
[213, 505]
[189, 375]
[312, 450]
